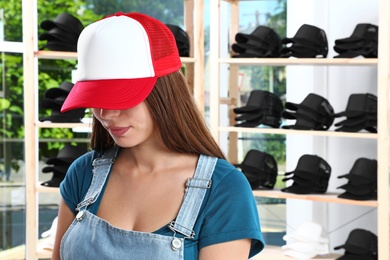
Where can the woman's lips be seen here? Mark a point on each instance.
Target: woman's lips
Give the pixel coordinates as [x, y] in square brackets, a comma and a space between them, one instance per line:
[118, 131]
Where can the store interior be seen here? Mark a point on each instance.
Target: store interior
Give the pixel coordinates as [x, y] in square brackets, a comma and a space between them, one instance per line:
[313, 87]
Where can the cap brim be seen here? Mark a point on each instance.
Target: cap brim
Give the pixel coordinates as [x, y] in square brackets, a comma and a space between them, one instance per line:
[358, 190]
[357, 179]
[347, 195]
[109, 94]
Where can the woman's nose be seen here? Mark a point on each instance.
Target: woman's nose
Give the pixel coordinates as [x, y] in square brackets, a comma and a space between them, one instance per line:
[108, 113]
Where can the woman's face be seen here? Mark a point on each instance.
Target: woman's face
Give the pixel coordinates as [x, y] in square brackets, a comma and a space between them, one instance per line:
[128, 127]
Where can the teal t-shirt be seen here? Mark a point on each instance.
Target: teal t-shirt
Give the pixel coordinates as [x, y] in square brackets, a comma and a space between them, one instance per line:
[228, 211]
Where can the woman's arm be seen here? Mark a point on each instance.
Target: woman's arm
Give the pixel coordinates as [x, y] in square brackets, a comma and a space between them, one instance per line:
[232, 250]
[65, 218]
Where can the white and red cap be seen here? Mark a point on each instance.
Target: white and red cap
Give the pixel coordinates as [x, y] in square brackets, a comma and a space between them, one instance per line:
[120, 58]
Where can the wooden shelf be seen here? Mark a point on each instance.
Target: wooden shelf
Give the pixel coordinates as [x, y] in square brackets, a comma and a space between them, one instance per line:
[64, 55]
[300, 61]
[61, 125]
[264, 130]
[276, 253]
[327, 197]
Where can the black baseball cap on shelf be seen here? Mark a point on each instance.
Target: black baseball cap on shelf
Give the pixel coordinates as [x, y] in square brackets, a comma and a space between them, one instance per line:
[366, 53]
[268, 120]
[53, 103]
[351, 256]
[360, 242]
[310, 167]
[354, 121]
[260, 168]
[65, 22]
[350, 196]
[263, 42]
[310, 36]
[60, 167]
[266, 111]
[314, 164]
[360, 104]
[258, 100]
[71, 116]
[358, 190]
[56, 34]
[60, 46]
[55, 181]
[364, 171]
[357, 46]
[261, 33]
[314, 112]
[362, 31]
[369, 126]
[182, 39]
[300, 50]
[67, 154]
[62, 90]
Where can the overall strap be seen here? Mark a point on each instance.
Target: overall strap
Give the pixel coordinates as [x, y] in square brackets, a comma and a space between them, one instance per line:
[196, 188]
[101, 169]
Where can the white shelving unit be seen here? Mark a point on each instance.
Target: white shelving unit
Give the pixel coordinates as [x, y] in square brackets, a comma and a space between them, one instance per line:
[194, 64]
[217, 100]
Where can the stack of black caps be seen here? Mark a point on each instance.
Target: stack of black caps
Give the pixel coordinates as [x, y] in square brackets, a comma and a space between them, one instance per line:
[61, 33]
[59, 165]
[263, 107]
[313, 113]
[311, 176]
[263, 42]
[53, 100]
[308, 42]
[361, 113]
[182, 40]
[362, 42]
[260, 169]
[361, 244]
[362, 180]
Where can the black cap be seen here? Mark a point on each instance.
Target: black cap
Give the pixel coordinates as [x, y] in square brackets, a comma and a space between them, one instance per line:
[55, 181]
[263, 42]
[309, 36]
[360, 104]
[362, 31]
[260, 168]
[358, 189]
[61, 91]
[310, 167]
[182, 39]
[260, 100]
[71, 116]
[359, 242]
[364, 171]
[68, 154]
[57, 34]
[347, 195]
[65, 22]
[314, 112]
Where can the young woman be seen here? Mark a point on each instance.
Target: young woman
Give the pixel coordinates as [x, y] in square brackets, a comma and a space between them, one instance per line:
[155, 185]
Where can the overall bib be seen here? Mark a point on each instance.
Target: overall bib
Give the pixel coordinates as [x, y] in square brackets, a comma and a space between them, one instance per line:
[90, 237]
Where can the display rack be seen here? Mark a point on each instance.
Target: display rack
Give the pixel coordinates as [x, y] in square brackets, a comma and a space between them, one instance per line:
[381, 138]
[193, 22]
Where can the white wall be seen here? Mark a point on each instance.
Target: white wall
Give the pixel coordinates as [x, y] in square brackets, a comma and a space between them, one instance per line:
[336, 83]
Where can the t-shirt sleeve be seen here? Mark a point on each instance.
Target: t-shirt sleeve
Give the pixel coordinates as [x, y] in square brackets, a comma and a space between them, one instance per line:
[77, 180]
[232, 213]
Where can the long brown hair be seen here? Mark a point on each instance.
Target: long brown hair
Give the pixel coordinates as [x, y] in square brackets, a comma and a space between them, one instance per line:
[177, 119]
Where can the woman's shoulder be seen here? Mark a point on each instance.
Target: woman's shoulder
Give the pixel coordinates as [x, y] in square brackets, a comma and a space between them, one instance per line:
[227, 174]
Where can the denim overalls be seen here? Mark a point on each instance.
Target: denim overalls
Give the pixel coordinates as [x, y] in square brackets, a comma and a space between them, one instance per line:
[90, 237]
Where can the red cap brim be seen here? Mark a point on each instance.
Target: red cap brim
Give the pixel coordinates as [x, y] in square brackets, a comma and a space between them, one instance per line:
[108, 94]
